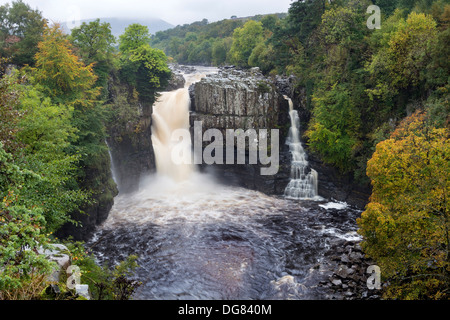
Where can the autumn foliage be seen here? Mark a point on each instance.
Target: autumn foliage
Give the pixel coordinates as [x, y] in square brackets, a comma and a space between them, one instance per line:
[406, 224]
[61, 73]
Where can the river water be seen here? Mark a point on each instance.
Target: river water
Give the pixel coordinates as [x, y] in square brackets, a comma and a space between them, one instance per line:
[198, 239]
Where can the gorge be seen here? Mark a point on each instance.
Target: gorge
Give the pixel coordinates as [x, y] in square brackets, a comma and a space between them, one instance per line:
[200, 238]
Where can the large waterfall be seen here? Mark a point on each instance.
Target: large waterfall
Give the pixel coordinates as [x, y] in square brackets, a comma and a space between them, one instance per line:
[303, 184]
[199, 239]
[171, 114]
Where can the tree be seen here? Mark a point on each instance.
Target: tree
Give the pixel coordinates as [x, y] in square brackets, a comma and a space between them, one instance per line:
[9, 114]
[135, 36]
[46, 132]
[245, 40]
[61, 74]
[406, 224]
[333, 131]
[402, 64]
[94, 42]
[21, 230]
[21, 29]
[146, 68]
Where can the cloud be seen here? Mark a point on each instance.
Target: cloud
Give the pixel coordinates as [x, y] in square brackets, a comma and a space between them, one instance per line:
[173, 11]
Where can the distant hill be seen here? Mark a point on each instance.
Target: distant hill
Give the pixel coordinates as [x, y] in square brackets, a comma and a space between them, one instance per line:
[118, 25]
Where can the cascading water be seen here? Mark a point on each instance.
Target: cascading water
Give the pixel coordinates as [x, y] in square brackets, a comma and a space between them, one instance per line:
[197, 239]
[113, 167]
[303, 185]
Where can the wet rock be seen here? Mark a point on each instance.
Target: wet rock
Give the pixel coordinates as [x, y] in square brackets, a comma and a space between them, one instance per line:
[337, 282]
[176, 81]
[344, 258]
[344, 272]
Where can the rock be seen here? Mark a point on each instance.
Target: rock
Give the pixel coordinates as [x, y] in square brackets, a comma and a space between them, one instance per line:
[344, 258]
[336, 282]
[238, 99]
[56, 253]
[356, 256]
[177, 81]
[343, 272]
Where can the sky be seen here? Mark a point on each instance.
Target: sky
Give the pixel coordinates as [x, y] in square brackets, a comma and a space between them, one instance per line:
[173, 11]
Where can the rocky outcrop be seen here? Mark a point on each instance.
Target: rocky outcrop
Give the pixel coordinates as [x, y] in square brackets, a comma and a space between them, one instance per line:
[177, 80]
[133, 155]
[238, 99]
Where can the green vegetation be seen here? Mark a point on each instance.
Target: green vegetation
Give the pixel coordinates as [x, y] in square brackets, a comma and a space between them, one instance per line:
[58, 93]
[204, 43]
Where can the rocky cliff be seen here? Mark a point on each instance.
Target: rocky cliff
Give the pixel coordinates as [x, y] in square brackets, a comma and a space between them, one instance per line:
[237, 99]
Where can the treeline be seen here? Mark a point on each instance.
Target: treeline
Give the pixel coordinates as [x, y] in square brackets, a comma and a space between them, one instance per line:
[58, 95]
[204, 43]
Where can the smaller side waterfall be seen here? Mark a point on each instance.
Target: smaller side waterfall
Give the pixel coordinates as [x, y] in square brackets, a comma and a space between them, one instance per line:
[113, 169]
[303, 184]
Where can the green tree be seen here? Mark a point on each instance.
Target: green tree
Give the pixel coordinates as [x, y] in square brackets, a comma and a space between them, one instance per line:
[406, 224]
[245, 39]
[220, 50]
[46, 131]
[135, 36]
[146, 68]
[334, 128]
[21, 230]
[21, 29]
[9, 114]
[94, 42]
[401, 65]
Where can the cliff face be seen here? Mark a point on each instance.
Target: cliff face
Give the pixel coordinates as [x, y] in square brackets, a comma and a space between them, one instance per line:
[235, 99]
[132, 151]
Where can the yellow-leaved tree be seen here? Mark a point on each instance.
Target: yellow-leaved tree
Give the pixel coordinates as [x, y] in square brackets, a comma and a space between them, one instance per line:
[406, 224]
[63, 77]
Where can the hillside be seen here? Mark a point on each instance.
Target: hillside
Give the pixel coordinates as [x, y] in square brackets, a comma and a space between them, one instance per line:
[202, 42]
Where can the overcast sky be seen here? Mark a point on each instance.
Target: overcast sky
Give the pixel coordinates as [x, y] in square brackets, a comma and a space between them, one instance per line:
[173, 11]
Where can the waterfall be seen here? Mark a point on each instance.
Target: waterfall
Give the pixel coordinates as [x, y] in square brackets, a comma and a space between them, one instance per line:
[171, 113]
[113, 168]
[303, 184]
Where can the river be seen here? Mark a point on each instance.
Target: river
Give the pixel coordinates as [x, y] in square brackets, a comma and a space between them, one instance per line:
[198, 239]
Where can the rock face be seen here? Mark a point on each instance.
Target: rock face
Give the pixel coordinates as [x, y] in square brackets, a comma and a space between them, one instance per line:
[236, 99]
[133, 154]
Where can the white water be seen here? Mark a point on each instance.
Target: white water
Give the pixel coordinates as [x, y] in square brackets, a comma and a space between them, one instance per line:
[171, 113]
[113, 167]
[303, 185]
